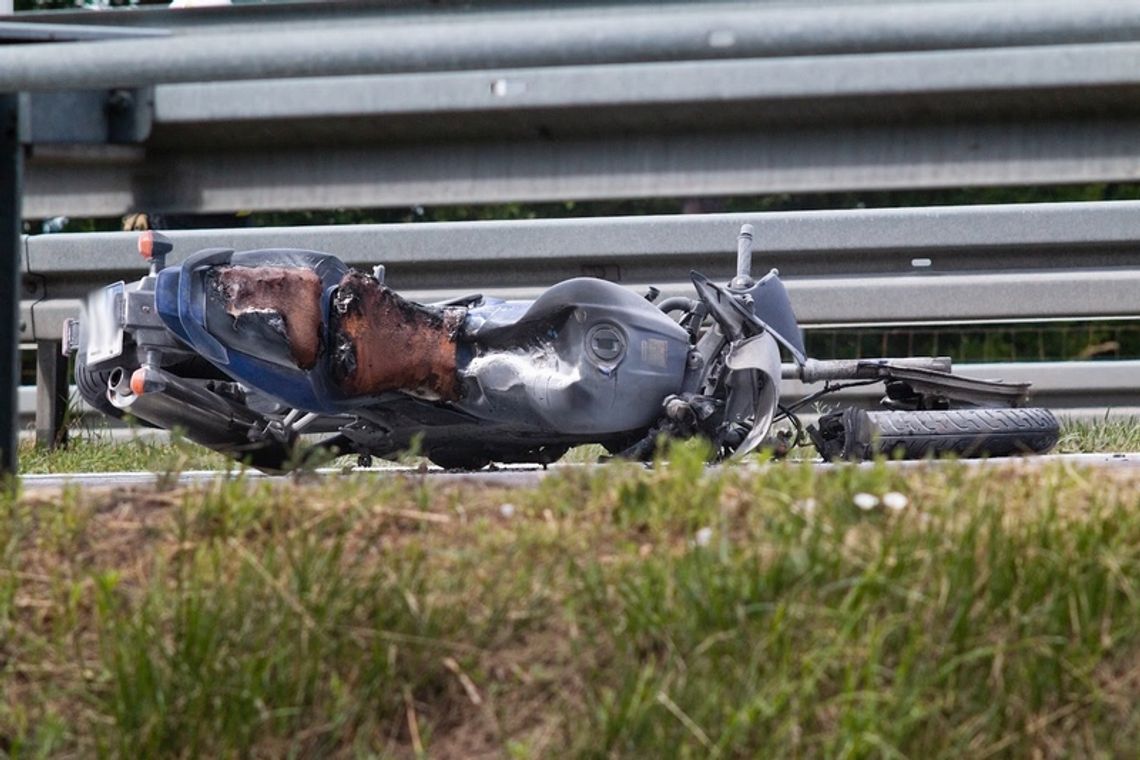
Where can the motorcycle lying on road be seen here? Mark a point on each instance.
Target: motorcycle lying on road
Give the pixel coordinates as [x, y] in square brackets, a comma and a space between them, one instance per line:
[245, 352]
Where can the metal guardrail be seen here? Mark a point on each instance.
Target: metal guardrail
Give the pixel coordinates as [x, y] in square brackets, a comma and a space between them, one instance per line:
[376, 37]
[979, 263]
[805, 29]
[376, 107]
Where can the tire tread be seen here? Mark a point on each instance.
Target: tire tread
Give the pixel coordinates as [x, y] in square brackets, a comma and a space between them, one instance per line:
[964, 432]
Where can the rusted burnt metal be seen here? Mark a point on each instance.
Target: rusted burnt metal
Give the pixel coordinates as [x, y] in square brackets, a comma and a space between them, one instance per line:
[382, 342]
[288, 299]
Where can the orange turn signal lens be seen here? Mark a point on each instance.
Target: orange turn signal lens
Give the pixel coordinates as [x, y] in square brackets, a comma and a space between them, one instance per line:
[146, 245]
[138, 381]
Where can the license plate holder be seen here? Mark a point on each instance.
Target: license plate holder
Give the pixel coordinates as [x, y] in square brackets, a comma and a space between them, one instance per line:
[105, 319]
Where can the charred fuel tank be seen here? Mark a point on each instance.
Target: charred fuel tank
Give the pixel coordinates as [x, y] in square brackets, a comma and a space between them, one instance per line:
[588, 357]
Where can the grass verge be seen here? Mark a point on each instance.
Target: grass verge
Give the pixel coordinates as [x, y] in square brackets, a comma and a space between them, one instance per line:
[1097, 435]
[672, 612]
[97, 453]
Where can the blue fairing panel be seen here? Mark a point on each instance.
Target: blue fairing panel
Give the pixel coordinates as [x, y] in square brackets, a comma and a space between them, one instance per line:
[166, 301]
[182, 298]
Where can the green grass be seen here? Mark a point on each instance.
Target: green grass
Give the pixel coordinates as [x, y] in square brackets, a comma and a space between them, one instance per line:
[672, 612]
[1092, 436]
[99, 453]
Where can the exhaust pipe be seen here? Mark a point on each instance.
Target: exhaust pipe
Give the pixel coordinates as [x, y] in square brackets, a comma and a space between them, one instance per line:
[213, 421]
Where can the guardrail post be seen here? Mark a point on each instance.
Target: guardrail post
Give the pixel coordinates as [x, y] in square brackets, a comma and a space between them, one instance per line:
[11, 187]
[52, 393]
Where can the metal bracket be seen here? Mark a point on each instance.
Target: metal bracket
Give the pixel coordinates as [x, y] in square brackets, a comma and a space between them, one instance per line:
[89, 117]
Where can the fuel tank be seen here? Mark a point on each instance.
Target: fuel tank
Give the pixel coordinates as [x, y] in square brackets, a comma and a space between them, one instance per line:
[588, 357]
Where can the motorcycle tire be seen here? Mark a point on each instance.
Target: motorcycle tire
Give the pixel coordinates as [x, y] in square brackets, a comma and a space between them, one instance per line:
[92, 386]
[858, 434]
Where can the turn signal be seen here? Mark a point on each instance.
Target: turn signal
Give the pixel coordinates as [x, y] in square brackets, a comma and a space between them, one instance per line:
[153, 244]
[138, 381]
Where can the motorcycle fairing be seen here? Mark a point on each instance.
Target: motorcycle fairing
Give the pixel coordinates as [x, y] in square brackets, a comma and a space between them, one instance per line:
[275, 309]
[739, 320]
[771, 304]
[252, 346]
[757, 360]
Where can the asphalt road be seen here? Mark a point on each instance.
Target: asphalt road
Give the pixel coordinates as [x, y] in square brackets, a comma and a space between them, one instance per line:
[513, 476]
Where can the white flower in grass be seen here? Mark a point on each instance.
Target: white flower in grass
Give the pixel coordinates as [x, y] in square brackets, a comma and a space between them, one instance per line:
[703, 537]
[804, 507]
[507, 510]
[895, 501]
[865, 501]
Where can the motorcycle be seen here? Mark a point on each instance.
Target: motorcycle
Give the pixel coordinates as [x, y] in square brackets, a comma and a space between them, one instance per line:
[246, 352]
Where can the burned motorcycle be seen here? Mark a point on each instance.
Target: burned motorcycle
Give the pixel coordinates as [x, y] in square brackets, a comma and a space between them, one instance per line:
[246, 351]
